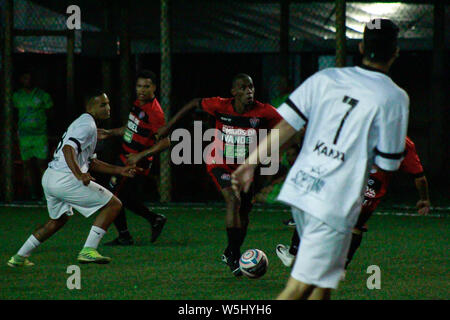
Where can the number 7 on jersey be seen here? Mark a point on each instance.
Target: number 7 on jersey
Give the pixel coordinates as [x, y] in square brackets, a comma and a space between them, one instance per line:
[352, 102]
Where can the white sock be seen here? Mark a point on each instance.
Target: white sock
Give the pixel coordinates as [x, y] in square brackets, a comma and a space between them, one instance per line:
[95, 235]
[28, 247]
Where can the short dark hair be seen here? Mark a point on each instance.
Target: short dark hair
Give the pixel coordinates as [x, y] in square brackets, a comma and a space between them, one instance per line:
[90, 94]
[238, 77]
[147, 74]
[380, 40]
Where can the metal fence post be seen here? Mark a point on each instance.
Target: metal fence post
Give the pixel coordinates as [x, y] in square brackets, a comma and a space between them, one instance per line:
[166, 86]
[7, 116]
[437, 106]
[284, 38]
[70, 73]
[125, 52]
[340, 33]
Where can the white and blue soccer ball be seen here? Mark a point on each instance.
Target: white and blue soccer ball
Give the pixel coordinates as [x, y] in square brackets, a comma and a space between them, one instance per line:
[253, 263]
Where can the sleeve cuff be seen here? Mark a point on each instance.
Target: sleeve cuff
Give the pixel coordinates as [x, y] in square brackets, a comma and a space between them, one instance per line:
[291, 116]
[387, 164]
[74, 143]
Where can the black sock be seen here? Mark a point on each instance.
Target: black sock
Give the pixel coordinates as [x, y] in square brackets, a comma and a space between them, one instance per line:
[234, 243]
[243, 232]
[244, 211]
[121, 224]
[295, 242]
[243, 235]
[141, 210]
[356, 242]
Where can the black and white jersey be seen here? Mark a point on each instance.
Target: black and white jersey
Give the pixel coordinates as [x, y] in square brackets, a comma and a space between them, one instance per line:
[355, 117]
[82, 136]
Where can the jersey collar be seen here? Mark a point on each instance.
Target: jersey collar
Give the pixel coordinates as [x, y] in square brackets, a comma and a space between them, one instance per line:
[251, 106]
[92, 117]
[363, 66]
[136, 103]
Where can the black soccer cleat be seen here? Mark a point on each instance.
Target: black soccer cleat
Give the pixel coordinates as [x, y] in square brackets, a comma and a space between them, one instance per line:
[121, 241]
[157, 226]
[233, 264]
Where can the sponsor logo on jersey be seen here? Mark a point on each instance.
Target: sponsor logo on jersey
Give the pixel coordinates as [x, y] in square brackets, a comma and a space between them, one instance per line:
[370, 193]
[254, 122]
[238, 131]
[372, 188]
[308, 183]
[133, 123]
[323, 149]
[141, 115]
[226, 176]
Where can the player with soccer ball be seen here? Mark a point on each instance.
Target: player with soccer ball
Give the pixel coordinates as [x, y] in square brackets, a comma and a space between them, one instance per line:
[238, 120]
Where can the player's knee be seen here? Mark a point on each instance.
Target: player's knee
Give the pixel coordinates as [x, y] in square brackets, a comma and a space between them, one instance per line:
[233, 201]
[55, 225]
[115, 204]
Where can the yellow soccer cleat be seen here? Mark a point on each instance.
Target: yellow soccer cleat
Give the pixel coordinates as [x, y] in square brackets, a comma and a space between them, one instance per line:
[90, 255]
[19, 261]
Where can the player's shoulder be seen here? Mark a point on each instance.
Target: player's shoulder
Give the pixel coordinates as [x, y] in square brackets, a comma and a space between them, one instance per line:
[218, 100]
[218, 103]
[85, 121]
[263, 106]
[265, 110]
[320, 79]
[393, 99]
[402, 96]
[331, 73]
[155, 106]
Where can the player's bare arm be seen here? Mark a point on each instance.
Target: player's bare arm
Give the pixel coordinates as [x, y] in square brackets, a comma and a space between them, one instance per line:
[108, 133]
[134, 158]
[296, 139]
[103, 167]
[423, 205]
[243, 176]
[187, 108]
[70, 157]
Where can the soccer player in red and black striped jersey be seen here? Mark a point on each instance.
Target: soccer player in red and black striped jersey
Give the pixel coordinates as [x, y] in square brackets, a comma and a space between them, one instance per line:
[237, 122]
[375, 190]
[139, 145]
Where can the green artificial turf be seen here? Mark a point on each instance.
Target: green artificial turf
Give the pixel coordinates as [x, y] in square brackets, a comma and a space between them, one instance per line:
[184, 263]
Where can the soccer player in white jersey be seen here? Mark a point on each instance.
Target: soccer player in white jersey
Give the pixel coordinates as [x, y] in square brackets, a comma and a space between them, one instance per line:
[67, 184]
[356, 117]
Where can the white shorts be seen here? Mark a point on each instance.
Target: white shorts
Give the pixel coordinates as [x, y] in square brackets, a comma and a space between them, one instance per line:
[63, 192]
[322, 252]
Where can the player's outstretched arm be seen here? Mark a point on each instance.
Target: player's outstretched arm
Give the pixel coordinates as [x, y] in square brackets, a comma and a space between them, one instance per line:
[108, 133]
[187, 108]
[134, 158]
[243, 176]
[423, 205]
[70, 157]
[103, 167]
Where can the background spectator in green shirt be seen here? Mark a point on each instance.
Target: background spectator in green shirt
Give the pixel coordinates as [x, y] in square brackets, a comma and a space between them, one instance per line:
[32, 104]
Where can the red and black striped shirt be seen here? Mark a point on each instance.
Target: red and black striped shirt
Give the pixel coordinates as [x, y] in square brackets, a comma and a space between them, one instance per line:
[143, 123]
[235, 131]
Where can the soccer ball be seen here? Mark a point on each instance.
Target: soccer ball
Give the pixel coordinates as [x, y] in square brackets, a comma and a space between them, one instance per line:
[253, 263]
